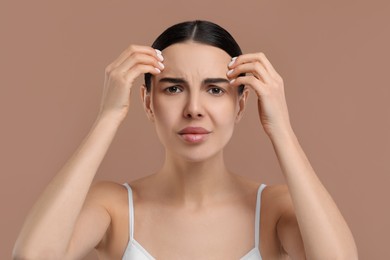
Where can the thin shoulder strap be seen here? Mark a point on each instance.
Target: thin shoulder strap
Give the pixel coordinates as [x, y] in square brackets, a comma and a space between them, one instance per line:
[257, 218]
[131, 210]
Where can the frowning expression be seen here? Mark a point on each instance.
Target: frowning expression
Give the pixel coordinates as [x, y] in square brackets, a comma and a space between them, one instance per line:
[192, 104]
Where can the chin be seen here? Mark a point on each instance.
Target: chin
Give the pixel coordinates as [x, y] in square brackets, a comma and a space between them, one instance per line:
[194, 155]
[195, 159]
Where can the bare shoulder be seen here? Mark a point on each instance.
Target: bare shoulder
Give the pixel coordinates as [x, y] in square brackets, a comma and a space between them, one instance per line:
[113, 197]
[278, 196]
[275, 199]
[104, 187]
[277, 192]
[275, 202]
[110, 194]
[286, 225]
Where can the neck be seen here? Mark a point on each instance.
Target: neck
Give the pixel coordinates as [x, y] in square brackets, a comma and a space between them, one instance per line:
[194, 184]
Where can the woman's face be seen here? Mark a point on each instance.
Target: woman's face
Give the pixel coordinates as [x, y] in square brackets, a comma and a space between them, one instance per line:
[193, 91]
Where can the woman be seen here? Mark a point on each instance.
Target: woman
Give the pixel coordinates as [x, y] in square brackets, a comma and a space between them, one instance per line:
[197, 83]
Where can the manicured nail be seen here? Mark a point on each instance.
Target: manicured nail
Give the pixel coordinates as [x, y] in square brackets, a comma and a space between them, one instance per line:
[158, 70]
[231, 82]
[232, 62]
[161, 65]
[230, 72]
[159, 55]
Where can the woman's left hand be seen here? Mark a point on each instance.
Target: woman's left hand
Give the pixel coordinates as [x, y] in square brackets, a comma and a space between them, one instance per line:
[269, 87]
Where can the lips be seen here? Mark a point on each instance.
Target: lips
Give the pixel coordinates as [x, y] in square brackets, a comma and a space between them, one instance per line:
[193, 130]
[194, 134]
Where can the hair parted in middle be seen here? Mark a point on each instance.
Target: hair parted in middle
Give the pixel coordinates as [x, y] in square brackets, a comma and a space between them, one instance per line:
[200, 31]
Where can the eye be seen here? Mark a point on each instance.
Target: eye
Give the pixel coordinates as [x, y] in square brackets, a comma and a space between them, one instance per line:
[216, 91]
[172, 89]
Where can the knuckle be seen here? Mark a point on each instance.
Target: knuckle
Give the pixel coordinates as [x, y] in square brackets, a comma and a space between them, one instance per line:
[278, 79]
[108, 69]
[141, 58]
[252, 80]
[260, 55]
[136, 57]
[244, 80]
[128, 78]
[258, 67]
[114, 74]
[132, 48]
[137, 69]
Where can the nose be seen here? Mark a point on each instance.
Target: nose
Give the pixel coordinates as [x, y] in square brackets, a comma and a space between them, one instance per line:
[193, 107]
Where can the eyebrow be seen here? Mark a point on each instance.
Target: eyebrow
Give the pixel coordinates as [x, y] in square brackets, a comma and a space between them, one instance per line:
[183, 81]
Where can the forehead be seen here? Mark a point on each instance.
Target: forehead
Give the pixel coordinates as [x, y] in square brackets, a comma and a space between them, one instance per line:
[192, 59]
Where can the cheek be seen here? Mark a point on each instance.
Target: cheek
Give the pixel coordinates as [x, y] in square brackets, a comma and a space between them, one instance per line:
[160, 110]
[224, 121]
[165, 115]
[225, 112]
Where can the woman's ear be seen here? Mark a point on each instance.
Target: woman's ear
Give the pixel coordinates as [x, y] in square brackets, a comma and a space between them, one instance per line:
[243, 98]
[146, 101]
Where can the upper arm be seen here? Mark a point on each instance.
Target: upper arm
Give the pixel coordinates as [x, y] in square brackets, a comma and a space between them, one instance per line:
[288, 228]
[92, 223]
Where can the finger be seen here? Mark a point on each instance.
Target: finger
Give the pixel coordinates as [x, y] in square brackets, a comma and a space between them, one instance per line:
[139, 58]
[139, 49]
[255, 68]
[250, 81]
[139, 69]
[251, 57]
[133, 49]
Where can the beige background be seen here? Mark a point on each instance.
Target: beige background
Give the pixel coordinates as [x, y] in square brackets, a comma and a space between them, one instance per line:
[333, 55]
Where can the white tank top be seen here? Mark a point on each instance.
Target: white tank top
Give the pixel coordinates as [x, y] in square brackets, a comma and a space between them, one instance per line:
[135, 251]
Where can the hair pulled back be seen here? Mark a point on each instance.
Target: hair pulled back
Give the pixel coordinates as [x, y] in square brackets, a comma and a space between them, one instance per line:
[200, 31]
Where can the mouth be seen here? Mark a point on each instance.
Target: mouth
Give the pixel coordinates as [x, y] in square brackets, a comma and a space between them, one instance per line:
[194, 134]
[194, 130]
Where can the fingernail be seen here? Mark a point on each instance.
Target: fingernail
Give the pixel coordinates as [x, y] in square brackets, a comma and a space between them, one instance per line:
[232, 62]
[158, 70]
[159, 55]
[231, 82]
[161, 65]
[230, 72]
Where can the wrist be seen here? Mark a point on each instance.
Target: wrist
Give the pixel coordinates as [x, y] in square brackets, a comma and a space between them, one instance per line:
[115, 121]
[282, 135]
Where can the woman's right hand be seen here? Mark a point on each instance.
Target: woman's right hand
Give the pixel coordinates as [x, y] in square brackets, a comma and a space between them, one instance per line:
[120, 76]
